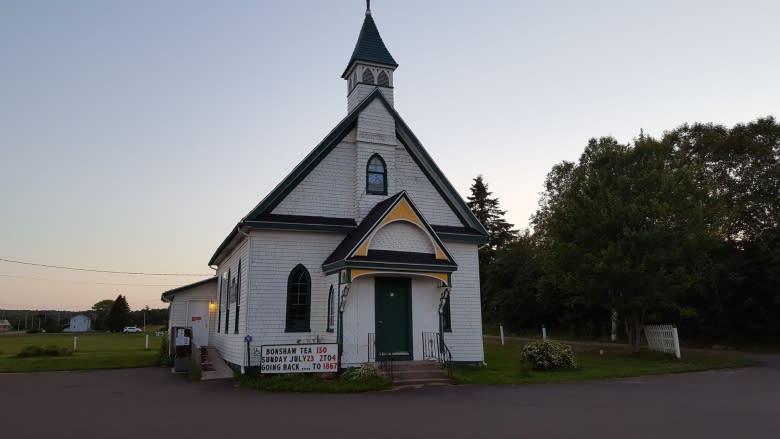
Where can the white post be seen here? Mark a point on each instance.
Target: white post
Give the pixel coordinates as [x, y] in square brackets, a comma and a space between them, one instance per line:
[676, 342]
[75, 343]
[146, 345]
[544, 333]
[501, 328]
[613, 336]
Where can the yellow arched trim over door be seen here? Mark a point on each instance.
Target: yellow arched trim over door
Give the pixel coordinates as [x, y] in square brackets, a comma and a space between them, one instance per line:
[356, 273]
[402, 212]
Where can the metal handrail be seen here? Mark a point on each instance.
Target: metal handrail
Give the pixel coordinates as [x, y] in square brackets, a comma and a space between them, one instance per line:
[384, 360]
[434, 348]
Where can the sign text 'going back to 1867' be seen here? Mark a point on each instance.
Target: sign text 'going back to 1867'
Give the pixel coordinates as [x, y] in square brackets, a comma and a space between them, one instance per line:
[298, 358]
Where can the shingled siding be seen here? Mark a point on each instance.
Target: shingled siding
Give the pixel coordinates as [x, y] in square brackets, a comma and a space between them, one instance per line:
[361, 91]
[231, 345]
[465, 340]
[423, 194]
[328, 189]
[401, 236]
[273, 256]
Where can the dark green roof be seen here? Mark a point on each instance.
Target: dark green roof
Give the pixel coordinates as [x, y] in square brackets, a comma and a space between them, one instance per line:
[370, 47]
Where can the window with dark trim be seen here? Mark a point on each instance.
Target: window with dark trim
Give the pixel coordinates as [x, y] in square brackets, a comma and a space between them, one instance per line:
[382, 80]
[227, 304]
[298, 300]
[446, 319]
[368, 77]
[331, 313]
[219, 306]
[376, 176]
[238, 296]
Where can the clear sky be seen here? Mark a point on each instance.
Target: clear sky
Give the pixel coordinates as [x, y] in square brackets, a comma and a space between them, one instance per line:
[134, 135]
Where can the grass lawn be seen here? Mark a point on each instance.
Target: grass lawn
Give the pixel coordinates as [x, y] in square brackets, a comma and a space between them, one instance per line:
[504, 365]
[312, 383]
[95, 351]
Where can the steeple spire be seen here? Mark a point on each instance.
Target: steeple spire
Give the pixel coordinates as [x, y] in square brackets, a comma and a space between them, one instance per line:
[371, 66]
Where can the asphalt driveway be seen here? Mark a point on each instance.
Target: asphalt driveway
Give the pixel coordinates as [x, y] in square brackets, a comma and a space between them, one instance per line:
[152, 403]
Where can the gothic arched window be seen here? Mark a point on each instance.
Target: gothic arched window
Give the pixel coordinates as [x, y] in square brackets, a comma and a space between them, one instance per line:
[382, 80]
[298, 300]
[376, 176]
[368, 77]
[331, 312]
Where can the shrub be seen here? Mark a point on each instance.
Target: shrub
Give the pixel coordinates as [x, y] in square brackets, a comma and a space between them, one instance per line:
[165, 358]
[549, 355]
[363, 373]
[44, 351]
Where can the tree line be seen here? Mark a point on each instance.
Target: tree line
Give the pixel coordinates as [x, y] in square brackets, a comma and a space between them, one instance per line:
[684, 229]
[106, 315]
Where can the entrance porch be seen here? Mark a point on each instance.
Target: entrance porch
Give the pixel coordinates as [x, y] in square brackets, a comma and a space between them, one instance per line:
[392, 316]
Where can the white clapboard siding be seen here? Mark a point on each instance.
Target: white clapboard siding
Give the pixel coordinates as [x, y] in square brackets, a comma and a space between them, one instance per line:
[401, 236]
[329, 188]
[273, 257]
[230, 344]
[465, 340]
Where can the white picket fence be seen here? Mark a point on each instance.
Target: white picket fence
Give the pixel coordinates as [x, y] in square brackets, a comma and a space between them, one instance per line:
[663, 338]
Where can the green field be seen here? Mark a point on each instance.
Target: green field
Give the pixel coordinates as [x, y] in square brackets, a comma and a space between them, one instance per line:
[95, 351]
[504, 365]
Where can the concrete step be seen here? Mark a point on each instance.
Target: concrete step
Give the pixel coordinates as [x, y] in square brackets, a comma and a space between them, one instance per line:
[415, 365]
[421, 382]
[419, 374]
[220, 369]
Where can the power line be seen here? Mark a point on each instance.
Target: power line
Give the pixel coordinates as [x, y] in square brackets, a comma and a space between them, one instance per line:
[89, 283]
[136, 273]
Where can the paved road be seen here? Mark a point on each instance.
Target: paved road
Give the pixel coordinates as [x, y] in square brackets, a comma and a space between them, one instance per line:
[151, 403]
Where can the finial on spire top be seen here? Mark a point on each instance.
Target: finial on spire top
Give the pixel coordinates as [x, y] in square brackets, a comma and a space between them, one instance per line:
[368, 7]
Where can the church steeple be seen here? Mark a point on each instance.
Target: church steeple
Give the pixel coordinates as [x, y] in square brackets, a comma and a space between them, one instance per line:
[371, 65]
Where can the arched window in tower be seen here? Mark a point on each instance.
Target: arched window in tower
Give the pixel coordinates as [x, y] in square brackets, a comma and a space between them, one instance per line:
[368, 77]
[376, 176]
[382, 80]
[298, 300]
[354, 79]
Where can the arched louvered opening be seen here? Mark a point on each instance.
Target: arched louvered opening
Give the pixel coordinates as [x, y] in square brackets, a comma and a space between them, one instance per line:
[382, 80]
[368, 77]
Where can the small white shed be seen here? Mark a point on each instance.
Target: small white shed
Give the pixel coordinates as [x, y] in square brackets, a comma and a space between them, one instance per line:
[194, 306]
[79, 323]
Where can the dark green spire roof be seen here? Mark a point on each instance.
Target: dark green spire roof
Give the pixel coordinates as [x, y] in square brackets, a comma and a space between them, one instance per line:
[370, 47]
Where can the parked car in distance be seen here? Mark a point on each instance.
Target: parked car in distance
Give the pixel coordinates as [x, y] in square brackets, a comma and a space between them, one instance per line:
[131, 329]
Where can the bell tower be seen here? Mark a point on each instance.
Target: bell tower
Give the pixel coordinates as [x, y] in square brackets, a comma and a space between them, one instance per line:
[371, 65]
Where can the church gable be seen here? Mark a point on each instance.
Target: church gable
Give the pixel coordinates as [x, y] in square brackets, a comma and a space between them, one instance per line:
[393, 232]
[328, 189]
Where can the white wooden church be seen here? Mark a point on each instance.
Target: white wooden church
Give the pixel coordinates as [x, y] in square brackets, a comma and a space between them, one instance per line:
[365, 243]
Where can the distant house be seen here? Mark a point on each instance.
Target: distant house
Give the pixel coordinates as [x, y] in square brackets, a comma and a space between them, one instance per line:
[5, 326]
[79, 323]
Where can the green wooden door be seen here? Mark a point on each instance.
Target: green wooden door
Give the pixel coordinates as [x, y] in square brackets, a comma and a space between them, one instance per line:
[393, 317]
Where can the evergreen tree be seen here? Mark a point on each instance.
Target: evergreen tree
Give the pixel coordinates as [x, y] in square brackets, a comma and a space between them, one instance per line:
[488, 212]
[119, 315]
[500, 232]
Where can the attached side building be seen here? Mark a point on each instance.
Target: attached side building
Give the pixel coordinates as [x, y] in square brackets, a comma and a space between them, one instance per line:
[194, 306]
